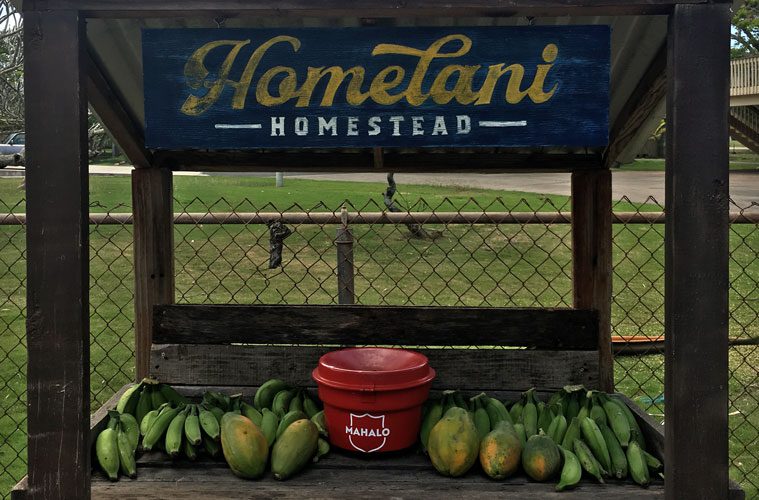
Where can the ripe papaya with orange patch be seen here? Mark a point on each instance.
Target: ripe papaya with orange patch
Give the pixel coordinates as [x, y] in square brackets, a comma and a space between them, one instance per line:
[501, 451]
[541, 458]
[453, 445]
[244, 445]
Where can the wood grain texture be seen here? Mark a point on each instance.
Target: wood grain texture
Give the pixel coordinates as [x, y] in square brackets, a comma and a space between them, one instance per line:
[592, 259]
[696, 252]
[112, 112]
[363, 161]
[373, 325]
[466, 369]
[345, 282]
[358, 8]
[58, 336]
[153, 246]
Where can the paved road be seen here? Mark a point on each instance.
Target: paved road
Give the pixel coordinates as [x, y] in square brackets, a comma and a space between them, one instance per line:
[637, 186]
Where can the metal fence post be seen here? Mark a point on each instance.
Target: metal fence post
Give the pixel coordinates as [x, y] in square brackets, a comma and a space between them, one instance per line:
[344, 243]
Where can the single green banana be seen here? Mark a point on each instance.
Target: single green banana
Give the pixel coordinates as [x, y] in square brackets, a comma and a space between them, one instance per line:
[156, 397]
[584, 410]
[616, 453]
[107, 450]
[460, 401]
[321, 423]
[497, 412]
[587, 460]
[282, 402]
[573, 432]
[147, 421]
[175, 433]
[171, 395]
[127, 463]
[322, 448]
[189, 450]
[158, 428]
[521, 434]
[573, 406]
[192, 427]
[653, 462]
[481, 419]
[144, 404]
[131, 428]
[560, 430]
[448, 401]
[516, 411]
[637, 464]
[209, 423]
[595, 440]
[433, 416]
[631, 420]
[269, 425]
[617, 421]
[597, 412]
[128, 401]
[289, 418]
[296, 403]
[530, 415]
[571, 472]
[265, 394]
[545, 417]
[212, 447]
[309, 406]
[551, 432]
[250, 412]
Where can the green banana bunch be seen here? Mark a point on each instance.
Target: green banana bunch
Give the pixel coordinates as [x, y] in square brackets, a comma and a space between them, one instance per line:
[637, 464]
[128, 401]
[616, 453]
[159, 426]
[264, 396]
[289, 418]
[170, 395]
[591, 434]
[156, 397]
[588, 461]
[571, 472]
[269, 425]
[107, 449]
[433, 416]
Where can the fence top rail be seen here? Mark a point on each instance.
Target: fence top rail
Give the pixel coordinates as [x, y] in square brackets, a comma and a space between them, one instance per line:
[335, 218]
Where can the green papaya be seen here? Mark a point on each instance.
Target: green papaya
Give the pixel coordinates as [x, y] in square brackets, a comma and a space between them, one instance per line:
[244, 446]
[294, 448]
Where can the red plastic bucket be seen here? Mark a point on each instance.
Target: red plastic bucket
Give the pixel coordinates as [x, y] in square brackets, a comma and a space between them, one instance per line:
[373, 397]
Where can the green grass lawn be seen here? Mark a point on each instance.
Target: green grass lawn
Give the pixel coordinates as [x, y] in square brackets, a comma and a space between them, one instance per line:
[507, 265]
[738, 161]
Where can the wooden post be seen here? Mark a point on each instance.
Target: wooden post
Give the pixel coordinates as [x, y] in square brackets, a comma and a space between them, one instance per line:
[57, 328]
[696, 252]
[153, 207]
[591, 258]
[344, 242]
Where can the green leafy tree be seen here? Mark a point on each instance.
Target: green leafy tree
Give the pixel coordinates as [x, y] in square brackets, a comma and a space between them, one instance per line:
[745, 33]
[11, 69]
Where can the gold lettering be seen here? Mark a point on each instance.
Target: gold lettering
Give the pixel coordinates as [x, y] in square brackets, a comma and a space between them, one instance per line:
[514, 94]
[462, 91]
[286, 86]
[195, 73]
[380, 85]
[336, 77]
[536, 89]
[414, 94]
[242, 87]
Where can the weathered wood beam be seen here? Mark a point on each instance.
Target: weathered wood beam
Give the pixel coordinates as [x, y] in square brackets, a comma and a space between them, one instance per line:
[358, 8]
[591, 259]
[696, 252]
[153, 255]
[364, 161]
[650, 91]
[114, 115]
[57, 327]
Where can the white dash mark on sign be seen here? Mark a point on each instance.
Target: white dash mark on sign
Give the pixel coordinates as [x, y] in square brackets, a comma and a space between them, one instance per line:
[237, 125]
[520, 123]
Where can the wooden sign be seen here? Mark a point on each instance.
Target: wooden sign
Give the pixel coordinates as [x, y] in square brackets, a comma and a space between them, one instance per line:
[376, 87]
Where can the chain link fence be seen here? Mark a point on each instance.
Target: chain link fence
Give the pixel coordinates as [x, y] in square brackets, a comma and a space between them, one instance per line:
[495, 254]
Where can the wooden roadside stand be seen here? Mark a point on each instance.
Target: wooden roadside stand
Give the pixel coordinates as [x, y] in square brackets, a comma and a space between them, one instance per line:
[87, 51]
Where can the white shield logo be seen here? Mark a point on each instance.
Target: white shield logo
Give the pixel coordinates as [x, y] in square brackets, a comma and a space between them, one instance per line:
[367, 433]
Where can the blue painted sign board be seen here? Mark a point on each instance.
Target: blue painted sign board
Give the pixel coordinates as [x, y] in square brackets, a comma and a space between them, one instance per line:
[376, 87]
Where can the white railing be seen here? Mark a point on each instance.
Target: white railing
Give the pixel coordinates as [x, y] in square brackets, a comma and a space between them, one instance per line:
[744, 76]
